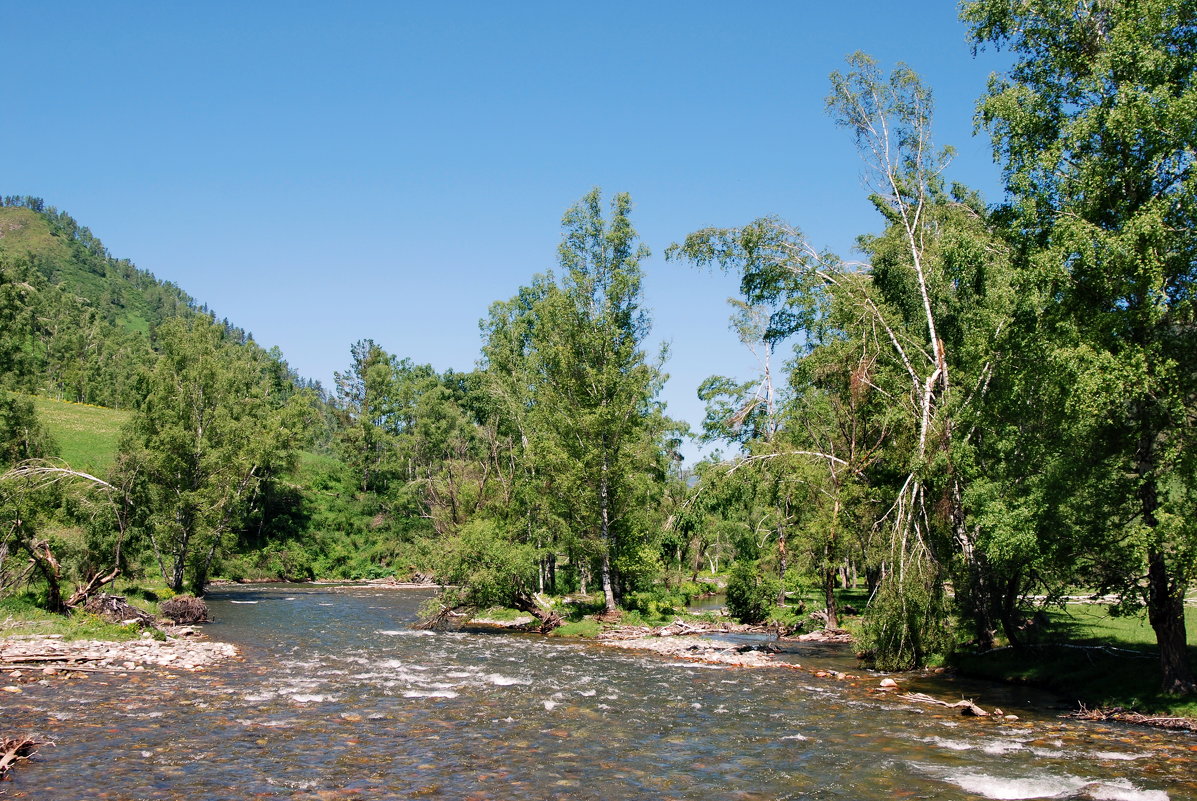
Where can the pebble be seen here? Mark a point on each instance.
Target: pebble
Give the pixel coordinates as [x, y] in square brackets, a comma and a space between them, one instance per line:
[130, 655]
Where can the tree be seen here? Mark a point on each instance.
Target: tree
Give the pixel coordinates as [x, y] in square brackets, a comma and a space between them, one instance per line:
[597, 386]
[366, 397]
[215, 422]
[21, 434]
[574, 398]
[1095, 125]
[934, 293]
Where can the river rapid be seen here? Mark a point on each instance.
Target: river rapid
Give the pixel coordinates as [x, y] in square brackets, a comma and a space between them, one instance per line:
[337, 697]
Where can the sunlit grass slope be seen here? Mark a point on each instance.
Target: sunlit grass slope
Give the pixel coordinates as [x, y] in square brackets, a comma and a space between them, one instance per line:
[86, 435]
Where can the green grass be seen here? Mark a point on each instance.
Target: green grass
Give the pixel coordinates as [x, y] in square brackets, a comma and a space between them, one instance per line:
[86, 435]
[587, 627]
[1092, 624]
[1093, 658]
[21, 615]
[24, 232]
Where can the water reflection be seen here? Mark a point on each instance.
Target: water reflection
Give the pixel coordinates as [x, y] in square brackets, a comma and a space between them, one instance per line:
[338, 698]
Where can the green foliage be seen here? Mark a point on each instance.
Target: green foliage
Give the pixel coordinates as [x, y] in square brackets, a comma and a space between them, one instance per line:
[89, 313]
[751, 594]
[487, 567]
[22, 433]
[656, 604]
[215, 424]
[907, 622]
[572, 400]
[1094, 126]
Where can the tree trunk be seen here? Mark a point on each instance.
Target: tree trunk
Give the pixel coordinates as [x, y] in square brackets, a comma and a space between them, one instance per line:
[1166, 611]
[605, 535]
[782, 564]
[549, 619]
[1165, 598]
[978, 598]
[51, 571]
[829, 568]
[1009, 611]
[833, 618]
[176, 574]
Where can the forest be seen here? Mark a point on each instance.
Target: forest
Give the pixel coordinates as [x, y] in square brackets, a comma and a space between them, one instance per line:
[988, 407]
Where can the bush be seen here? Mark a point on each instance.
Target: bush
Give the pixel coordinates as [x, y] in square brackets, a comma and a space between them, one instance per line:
[751, 596]
[655, 604]
[689, 590]
[907, 626]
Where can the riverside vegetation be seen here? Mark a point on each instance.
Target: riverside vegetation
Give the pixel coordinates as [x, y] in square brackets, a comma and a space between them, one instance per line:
[994, 408]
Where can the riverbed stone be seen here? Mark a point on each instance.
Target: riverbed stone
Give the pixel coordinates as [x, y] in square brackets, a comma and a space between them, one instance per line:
[54, 653]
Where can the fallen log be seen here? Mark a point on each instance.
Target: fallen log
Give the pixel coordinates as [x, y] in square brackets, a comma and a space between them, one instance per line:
[966, 707]
[64, 658]
[85, 591]
[1127, 716]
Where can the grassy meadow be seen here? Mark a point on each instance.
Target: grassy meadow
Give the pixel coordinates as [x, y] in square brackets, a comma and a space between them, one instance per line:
[1091, 657]
[86, 435]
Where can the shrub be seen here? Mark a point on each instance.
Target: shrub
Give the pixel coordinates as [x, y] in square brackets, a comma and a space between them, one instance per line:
[751, 596]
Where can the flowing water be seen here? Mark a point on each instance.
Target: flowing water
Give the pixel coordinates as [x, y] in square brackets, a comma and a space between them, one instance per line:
[338, 698]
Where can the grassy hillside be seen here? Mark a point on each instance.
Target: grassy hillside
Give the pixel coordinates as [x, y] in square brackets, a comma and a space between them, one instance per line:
[25, 232]
[86, 435]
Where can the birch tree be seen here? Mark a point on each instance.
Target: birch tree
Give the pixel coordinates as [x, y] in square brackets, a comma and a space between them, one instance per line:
[933, 293]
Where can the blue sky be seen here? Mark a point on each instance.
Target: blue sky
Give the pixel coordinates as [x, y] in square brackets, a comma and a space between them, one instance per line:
[320, 173]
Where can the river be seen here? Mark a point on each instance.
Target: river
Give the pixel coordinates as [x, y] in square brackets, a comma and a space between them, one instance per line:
[337, 697]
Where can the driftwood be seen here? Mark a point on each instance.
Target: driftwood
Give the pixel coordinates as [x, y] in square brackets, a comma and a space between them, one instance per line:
[444, 619]
[66, 662]
[1126, 716]
[14, 750]
[452, 617]
[966, 707]
[115, 609]
[185, 609]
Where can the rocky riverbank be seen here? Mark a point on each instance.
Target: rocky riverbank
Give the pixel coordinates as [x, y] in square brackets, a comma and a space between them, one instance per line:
[685, 641]
[35, 656]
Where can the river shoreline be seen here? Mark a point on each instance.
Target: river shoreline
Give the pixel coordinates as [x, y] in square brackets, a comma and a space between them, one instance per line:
[337, 696]
[34, 657]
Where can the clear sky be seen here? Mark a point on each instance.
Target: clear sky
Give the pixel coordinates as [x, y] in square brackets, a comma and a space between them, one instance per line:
[325, 172]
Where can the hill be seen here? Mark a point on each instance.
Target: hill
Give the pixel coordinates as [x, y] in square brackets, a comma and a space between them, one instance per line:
[68, 255]
[81, 321]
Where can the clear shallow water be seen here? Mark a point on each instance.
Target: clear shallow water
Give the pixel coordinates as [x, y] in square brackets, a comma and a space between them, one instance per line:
[338, 698]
